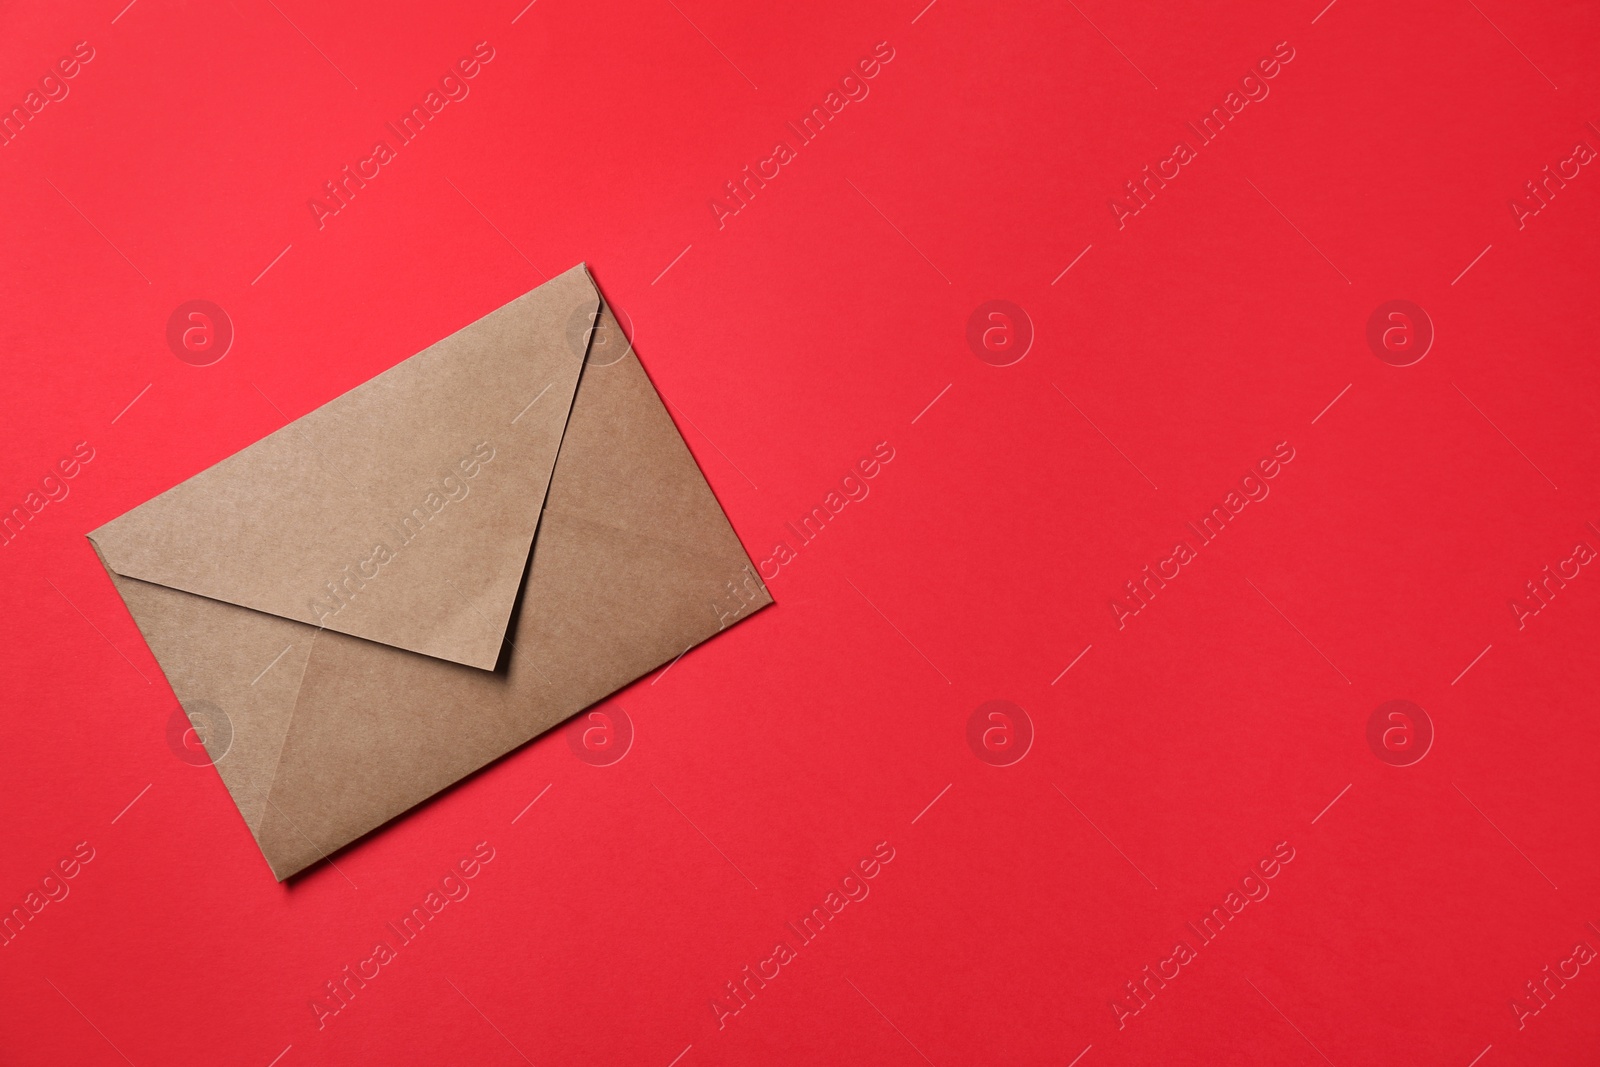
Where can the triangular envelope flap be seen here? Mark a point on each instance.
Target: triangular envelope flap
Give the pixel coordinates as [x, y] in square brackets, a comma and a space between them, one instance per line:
[640, 476]
[402, 511]
[635, 562]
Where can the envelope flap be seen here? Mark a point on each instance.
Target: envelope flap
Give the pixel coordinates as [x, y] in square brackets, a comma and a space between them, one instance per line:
[402, 511]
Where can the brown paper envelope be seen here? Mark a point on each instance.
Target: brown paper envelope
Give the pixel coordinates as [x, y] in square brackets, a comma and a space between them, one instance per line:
[634, 562]
[287, 523]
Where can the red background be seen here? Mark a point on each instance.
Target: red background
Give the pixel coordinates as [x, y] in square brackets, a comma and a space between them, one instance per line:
[820, 320]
